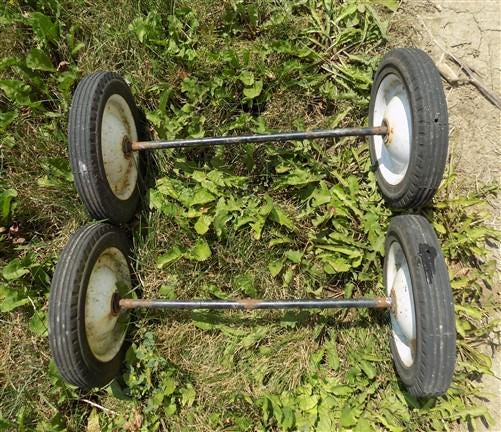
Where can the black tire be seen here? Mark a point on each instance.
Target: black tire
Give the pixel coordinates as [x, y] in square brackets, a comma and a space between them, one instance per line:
[67, 332]
[84, 136]
[430, 128]
[434, 349]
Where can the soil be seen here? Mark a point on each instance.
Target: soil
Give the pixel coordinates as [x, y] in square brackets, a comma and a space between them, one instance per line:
[471, 32]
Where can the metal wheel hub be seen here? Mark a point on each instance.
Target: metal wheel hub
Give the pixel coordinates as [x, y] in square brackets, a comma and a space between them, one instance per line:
[105, 330]
[118, 124]
[403, 316]
[392, 108]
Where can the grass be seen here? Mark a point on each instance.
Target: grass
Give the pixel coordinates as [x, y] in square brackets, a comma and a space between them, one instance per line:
[292, 220]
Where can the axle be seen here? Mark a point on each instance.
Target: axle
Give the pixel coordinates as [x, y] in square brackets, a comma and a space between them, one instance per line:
[260, 138]
[374, 303]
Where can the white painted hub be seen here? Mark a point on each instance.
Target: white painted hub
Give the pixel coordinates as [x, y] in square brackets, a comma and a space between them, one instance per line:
[392, 107]
[117, 123]
[105, 331]
[403, 315]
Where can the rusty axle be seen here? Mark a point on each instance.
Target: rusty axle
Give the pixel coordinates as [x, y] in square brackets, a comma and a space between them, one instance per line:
[373, 303]
[259, 138]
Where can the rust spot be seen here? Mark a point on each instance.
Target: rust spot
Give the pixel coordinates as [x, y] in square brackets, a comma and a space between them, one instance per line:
[393, 297]
[249, 303]
[382, 303]
[127, 146]
[134, 303]
[412, 344]
[138, 145]
[115, 304]
[389, 132]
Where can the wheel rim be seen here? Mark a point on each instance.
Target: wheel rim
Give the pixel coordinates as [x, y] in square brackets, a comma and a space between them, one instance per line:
[403, 316]
[105, 331]
[121, 169]
[392, 108]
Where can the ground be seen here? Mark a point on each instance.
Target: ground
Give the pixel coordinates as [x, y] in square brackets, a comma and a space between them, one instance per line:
[470, 31]
[241, 66]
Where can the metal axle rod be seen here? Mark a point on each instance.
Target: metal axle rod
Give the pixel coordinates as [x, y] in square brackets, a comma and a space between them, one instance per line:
[244, 139]
[374, 303]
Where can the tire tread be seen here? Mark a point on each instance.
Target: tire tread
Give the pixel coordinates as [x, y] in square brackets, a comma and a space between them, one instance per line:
[433, 368]
[64, 318]
[84, 144]
[430, 138]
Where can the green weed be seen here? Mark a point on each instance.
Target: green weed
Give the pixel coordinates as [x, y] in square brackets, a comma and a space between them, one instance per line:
[298, 219]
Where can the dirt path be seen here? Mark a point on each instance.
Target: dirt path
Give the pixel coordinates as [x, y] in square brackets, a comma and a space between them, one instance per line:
[471, 32]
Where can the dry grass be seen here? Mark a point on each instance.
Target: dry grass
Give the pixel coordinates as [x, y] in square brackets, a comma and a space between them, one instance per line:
[234, 361]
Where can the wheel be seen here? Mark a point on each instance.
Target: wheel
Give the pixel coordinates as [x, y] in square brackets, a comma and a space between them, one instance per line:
[423, 341]
[407, 96]
[86, 328]
[108, 179]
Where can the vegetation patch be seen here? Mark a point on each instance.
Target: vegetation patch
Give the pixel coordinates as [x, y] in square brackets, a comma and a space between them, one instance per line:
[287, 220]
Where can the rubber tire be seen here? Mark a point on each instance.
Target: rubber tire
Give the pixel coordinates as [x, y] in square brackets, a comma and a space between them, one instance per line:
[84, 136]
[430, 128]
[435, 354]
[67, 337]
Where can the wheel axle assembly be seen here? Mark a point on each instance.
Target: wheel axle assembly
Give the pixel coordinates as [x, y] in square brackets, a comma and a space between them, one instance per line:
[258, 138]
[408, 132]
[250, 304]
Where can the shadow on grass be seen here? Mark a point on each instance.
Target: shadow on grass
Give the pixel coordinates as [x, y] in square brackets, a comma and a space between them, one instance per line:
[207, 320]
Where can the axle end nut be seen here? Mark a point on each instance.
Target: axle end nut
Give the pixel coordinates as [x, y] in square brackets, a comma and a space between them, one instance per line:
[127, 146]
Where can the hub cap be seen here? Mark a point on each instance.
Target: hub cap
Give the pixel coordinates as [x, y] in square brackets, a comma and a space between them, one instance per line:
[121, 169]
[105, 330]
[392, 108]
[403, 319]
